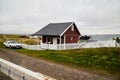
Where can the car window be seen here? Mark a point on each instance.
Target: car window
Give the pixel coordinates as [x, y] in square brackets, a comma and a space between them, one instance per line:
[13, 42]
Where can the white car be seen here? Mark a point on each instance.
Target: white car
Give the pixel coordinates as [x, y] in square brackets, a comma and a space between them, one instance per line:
[12, 44]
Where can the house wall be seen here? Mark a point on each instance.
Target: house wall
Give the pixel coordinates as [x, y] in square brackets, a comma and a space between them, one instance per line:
[72, 36]
[43, 39]
[62, 40]
[53, 39]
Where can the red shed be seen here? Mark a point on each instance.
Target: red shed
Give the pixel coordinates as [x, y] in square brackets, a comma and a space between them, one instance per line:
[59, 33]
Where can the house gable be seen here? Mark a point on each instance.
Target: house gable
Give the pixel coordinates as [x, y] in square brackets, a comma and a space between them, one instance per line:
[72, 34]
[70, 31]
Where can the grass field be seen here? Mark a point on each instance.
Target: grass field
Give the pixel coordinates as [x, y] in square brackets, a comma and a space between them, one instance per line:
[102, 60]
[5, 37]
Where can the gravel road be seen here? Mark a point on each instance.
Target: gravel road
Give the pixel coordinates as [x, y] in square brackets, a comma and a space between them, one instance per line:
[4, 77]
[54, 70]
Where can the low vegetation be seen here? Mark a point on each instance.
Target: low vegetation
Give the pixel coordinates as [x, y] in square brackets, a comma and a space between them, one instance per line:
[102, 60]
[5, 37]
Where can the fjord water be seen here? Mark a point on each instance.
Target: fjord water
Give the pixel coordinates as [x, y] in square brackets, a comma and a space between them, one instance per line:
[104, 36]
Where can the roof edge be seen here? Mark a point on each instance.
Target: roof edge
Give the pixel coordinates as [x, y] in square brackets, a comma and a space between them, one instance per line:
[66, 28]
[60, 22]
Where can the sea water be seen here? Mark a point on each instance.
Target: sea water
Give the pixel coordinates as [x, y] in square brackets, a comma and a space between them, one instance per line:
[105, 36]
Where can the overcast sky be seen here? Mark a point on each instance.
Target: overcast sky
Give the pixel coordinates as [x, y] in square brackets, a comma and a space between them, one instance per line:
[90, 16]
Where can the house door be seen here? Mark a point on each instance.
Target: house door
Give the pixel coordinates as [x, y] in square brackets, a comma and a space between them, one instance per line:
[54, 40]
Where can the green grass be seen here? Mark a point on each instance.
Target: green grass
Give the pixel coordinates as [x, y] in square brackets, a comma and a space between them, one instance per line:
[103, 60]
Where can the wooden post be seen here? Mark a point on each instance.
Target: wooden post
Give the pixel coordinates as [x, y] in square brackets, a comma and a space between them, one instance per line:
[64, 41]
[60, 43]
[40, 40]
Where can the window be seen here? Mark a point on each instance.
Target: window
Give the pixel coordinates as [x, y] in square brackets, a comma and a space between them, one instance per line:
[72, 28]
[49, 40]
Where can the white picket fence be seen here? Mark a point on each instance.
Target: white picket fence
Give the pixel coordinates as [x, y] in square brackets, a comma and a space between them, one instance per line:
[60, 46]
[32, 47]
[50, 46]
[107, 43]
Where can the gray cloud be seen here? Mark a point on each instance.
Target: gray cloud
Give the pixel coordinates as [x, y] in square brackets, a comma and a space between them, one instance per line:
[91, 16]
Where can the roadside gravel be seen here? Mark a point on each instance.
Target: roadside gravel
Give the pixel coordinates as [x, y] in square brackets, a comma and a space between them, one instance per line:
[4, 77]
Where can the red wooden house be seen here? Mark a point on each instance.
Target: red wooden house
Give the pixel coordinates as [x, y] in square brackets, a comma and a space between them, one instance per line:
[59, 33]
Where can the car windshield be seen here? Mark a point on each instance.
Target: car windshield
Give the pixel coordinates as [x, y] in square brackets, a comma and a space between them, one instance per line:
[13, 42]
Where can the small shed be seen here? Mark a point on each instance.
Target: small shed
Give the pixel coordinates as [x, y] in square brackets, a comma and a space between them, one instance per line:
[59, 33]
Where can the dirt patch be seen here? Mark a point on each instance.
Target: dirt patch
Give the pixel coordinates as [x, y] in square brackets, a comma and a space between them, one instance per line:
[51, 69]
[4, 77]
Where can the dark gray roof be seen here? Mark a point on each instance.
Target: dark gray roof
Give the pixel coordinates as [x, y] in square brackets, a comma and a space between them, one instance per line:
[54, 29]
